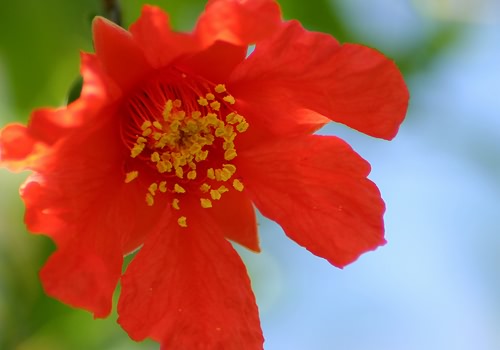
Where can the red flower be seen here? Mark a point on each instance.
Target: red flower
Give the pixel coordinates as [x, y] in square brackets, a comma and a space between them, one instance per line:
[174, 137]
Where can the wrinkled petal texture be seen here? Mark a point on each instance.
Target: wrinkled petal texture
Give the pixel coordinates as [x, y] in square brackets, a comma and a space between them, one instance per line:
[316, 188]
[188, 289]
[297, 69]
[239, 22]
[25, 147]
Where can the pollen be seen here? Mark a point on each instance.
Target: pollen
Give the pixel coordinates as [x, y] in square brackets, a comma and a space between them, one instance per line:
[163, 186]
[229, 99]
[179, 189]
[185, 135]
[129, 177]
[202, 101]
[220, 88]
[150, 199]
[152, 188]
[205, 203]
[182, 221]
[175, 204]
[238, 186]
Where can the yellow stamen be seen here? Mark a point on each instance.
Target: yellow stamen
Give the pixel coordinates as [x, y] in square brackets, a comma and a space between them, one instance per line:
[131, 176]
[175, 204]
[215, 105]
[152, 188]
[179, 189]
[205, 187]
[191, 175]
[150, 199]
[230, 154]
[210, 96]
[215, 194]
[182, 221]
[203, 102]
[205, 203]
[229, 99]
[238, 186]
[163, 186]
[157, 125]
[220, 88]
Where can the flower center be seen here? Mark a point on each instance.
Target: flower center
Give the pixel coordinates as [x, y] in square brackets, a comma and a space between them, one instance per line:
[182, 134]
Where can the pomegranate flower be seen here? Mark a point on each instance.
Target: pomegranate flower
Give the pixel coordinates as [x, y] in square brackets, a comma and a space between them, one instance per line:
[173, 141]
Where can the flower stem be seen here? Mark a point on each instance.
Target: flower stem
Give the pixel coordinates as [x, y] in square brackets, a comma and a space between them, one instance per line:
[112, 11]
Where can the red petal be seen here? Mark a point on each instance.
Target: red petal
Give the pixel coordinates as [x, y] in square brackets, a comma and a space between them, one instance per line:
[188, 288]
[216, 62]
[160, 44]
[316, 188]
[298, 69]
[83, 276]
[239, 22]
[235, 215]
[25, 147]
[121, 57]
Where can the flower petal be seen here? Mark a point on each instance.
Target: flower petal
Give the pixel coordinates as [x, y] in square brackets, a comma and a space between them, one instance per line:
[159, 43]
[316, 188]
[239, 22]
[235, 216]
[24, 147]
[188, 288]
[84, 276]
[350, 84]
[120, 56]
[216, 62]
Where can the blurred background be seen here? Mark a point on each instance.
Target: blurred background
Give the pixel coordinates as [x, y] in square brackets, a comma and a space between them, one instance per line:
[434, 286]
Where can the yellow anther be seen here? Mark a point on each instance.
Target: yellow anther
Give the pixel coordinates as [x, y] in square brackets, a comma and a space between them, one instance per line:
[228, 145]
[210, 96]
[215, 195]
[219, 132]
[155, 157]
[229, 99]
[212, 119]
[211, 173]
[230, 117]
[177, 103]
[137, 149]
[147, 132]
[179, 189]
[152, 188]
[227, 171]
[182, 221]
[192, 165]
[157, 135]
[179, 115]
[238, 186]
[145, 125]
[220, 88]
[215, 105]
[230, 154]
[175, 204]
[131, 176]
[218, 174]
[202, 101]
[205, 203]
[157, 125]
[191, 175]
[230, 167]
[174, 126]
[150, 199]
[205, 187]
[167, 110]
[179, 172]
[196, 115]
[242, 127]
[163, 166]
[222, 189]
[163, 186]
